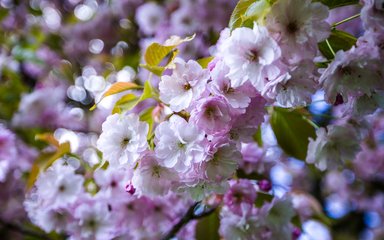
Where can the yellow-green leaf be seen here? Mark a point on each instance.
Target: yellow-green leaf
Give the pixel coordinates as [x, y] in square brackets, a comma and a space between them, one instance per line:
[146, 116]
[45, 160]
[48, 138]
[236, 18]
[118, 87]
[205, 61]
[157, 70]
[257, 11]
[156, 53]
[127, 102]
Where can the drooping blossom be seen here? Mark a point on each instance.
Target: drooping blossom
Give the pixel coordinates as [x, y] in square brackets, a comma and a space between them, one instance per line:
[294, 89]
[352, 73]
[333, 147]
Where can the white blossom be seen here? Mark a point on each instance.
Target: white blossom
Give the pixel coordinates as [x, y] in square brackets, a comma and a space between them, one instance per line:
[123, 139]
[250, 54]
[179, 144]
[187, 83]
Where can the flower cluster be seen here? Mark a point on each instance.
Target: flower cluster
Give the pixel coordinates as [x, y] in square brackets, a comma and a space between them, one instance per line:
[264, 129]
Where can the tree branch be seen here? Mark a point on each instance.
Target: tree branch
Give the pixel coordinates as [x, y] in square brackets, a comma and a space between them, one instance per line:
[188, 216]
[24, 231]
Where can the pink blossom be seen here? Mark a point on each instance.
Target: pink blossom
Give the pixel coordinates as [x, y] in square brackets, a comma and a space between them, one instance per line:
[250, 54]
[372, 15]
[186, 84]
[240, 197]
[212, 114]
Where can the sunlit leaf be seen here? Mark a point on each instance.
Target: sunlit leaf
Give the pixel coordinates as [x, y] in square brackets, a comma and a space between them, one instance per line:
[118, 87]
[236, 18]
[129, 101]
[125, 103]
[205, 61]
[156, 53]
[257, 11]
[48, 138]
[146, 116]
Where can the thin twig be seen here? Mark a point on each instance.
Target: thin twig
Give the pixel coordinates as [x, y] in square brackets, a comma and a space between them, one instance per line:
[346, 20]
[188, 216]
[330, 48]
[22, 230]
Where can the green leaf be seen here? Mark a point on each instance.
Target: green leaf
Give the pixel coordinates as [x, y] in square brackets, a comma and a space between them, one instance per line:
[205, 61]
[129, 101]
[125, 103]
[257, 137]
[11, 89]
[146, 116]
[261, 198]
[25, 54]
[257, 11]
[64, 70]
[339, 40]
[118, 87]
[208, 227]
[156, 53]
[48, 138]
[338, 3]
[253, 176]
[248, 11]
[148, 92]
[157, 70]
[45, 160]
[236, 18]
[292, 129]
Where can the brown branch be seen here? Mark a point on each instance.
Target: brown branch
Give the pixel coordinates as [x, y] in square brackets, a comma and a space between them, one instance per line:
[24, 231]
[188, 216]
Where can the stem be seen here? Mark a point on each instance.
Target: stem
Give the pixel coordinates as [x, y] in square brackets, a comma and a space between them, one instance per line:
[24, 231]
[330, 48]
[346, 20]
[188, 216]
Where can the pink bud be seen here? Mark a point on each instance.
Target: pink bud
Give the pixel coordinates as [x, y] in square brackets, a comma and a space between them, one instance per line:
[130, 189]
[264, 185]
